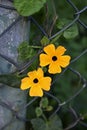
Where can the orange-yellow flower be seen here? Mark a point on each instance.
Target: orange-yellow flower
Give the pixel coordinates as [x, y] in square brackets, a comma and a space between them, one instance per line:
[36, 82]
[54, 58]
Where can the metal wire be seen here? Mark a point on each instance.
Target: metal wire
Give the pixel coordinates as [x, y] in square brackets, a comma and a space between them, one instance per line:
[78, 118]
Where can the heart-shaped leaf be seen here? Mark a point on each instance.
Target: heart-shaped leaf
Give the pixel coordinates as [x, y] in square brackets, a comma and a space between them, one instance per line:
[28, 7]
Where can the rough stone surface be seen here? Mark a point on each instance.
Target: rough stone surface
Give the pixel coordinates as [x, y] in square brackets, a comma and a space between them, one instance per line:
[8, 46]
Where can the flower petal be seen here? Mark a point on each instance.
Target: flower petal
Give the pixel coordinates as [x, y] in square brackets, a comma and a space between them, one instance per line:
[36, 73]
[40, 73]
[32, 74]
[36, 91]
[60, 50]
[54, 68]
[25, 83]
[50, 49]
[44, 60]
[46, 83]
[64, 60]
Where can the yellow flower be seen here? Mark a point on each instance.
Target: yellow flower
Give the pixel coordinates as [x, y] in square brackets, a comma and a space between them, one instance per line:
[36, 82]
[54, 58]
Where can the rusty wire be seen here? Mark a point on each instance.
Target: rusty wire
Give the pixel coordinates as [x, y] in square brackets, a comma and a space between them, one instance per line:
[78, 118]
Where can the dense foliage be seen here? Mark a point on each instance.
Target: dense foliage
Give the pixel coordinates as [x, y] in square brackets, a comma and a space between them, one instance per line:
[53, 16]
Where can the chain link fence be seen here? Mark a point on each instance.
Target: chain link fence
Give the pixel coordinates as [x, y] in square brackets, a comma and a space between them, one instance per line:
[78, 118]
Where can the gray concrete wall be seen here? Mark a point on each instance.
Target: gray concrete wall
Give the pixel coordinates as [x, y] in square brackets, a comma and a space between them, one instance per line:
[8, 46]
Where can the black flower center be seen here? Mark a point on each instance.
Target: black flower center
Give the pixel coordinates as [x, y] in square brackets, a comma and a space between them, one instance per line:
[35, 80]
[54, 58]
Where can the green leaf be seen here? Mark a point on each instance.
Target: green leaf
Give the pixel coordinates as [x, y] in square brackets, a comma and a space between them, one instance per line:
[11, 80]
[44, 41]
[38, 124]
[49, 108]
[44, 102]
[25, 51]
[71, 32]
[28, 7]
[53, 124]
[38, 111]
[85, 116]
[61, 23]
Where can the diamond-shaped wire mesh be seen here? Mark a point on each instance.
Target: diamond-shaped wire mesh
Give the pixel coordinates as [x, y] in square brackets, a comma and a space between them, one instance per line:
[77, 116]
